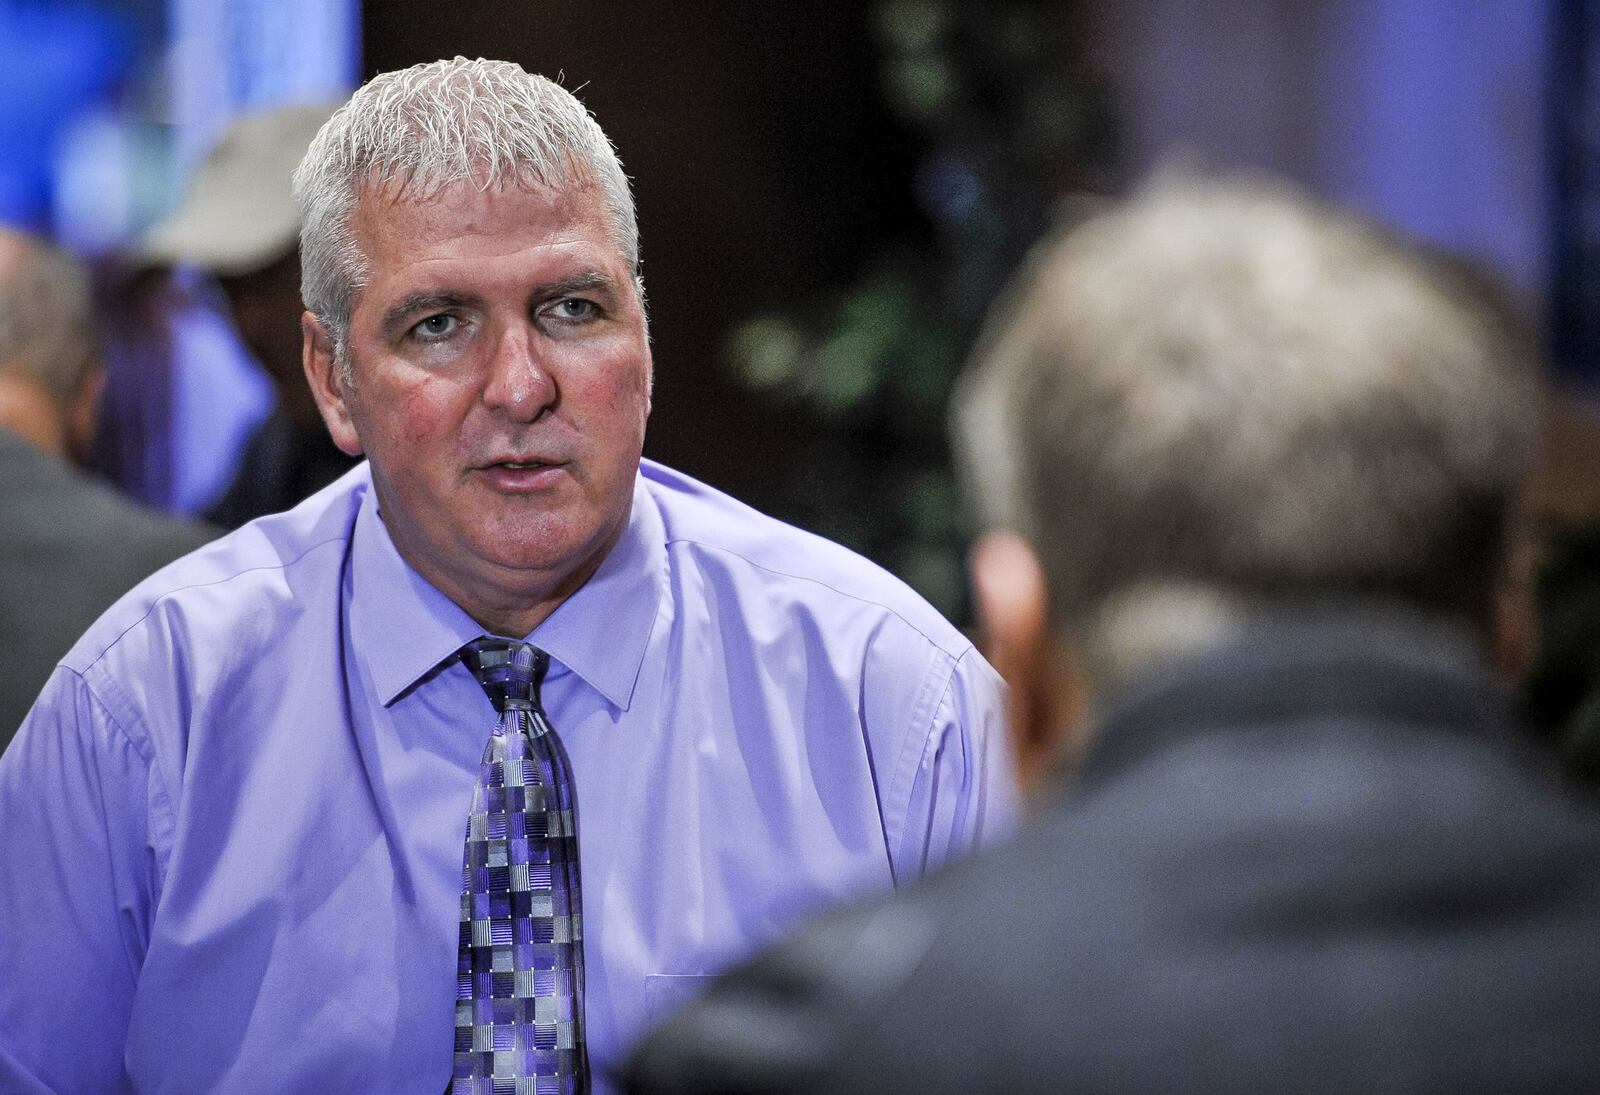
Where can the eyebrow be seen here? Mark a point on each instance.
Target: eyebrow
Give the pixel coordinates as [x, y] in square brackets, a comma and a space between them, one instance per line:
[401, 311]
[587, 281]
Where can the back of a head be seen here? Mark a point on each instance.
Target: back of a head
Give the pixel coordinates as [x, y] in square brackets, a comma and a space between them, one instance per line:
[1221, 386]
[47, 335]
[415, 131]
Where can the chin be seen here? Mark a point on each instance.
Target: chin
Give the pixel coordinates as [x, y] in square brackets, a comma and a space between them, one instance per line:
[542, 544]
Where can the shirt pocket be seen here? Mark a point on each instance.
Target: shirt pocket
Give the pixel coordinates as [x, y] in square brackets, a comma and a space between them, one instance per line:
[665, 993]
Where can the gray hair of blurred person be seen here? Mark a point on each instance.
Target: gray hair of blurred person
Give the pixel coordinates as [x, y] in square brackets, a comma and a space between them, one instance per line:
[415, 131]
[1220, 395]
[47, 328]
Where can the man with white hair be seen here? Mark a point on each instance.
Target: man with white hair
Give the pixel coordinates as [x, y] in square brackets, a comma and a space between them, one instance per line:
[1251, 472]
[305, 811]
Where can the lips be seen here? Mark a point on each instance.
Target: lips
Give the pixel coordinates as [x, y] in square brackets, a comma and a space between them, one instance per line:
[521, 462]
[522, 474]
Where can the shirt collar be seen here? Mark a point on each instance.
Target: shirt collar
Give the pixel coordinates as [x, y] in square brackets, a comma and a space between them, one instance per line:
[403, 627]
[601, 631]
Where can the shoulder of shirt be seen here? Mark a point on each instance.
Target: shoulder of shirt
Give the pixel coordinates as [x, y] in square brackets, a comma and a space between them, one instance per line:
[711, 523]
[234, 584]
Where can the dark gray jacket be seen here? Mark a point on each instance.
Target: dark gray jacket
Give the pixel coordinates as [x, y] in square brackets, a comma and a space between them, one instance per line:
[68, 548]
[1320, 860]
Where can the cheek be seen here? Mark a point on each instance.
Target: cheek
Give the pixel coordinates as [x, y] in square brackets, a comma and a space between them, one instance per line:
[613, 401]
[630, 402]
[631, 389]
[631, 392]
[425, 411]
[416, 415]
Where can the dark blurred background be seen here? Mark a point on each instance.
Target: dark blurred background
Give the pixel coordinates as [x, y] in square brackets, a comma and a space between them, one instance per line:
[831, 192]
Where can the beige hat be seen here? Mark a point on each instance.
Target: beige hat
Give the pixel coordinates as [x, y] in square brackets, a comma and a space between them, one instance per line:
[239, 214]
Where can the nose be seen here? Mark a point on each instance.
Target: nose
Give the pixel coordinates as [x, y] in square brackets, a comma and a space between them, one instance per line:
[519, 383]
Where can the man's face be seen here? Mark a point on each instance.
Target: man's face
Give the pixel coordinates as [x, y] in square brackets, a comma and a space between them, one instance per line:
[501, 382]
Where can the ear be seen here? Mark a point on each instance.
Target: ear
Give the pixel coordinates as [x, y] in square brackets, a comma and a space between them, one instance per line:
[1046, 698]
[328, 385]
[83, 413]
[1513, 612]
[649, 380]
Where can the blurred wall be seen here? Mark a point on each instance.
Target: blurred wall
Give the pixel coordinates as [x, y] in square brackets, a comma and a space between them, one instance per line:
[1429, 114]
[1470, 124]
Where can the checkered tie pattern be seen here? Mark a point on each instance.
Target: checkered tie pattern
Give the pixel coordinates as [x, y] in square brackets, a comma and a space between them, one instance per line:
[519, 980]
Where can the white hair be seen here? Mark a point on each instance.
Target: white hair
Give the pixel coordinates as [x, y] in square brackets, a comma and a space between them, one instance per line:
[1220, 392]
[420, 129]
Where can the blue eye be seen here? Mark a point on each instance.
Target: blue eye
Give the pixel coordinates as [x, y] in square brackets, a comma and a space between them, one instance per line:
[436, 326]
[575, 308]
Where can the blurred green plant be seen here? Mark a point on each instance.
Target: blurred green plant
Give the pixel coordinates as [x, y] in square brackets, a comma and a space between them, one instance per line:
[1011, 119]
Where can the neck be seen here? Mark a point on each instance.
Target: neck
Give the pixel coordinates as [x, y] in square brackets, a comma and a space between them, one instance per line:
[1142, 628]
[1158, 622]
[28, 410]
[506, 601]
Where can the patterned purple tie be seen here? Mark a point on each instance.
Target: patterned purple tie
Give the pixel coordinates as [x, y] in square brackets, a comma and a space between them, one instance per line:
[519, 982]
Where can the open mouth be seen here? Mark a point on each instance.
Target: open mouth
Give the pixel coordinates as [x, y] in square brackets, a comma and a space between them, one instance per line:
[522, 474]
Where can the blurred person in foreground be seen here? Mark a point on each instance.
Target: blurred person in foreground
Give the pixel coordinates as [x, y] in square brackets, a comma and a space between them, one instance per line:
[239, 224]
[69, 546]
[305, 813]
[1252, 473]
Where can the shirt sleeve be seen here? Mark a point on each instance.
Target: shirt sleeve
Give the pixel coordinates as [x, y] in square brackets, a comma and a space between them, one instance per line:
[964, 790]
[77, 882]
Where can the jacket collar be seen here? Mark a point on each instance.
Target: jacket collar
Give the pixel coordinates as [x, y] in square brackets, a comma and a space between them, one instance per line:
[1327, 661]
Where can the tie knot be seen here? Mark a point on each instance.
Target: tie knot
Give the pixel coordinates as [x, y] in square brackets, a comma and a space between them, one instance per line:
[510, 672]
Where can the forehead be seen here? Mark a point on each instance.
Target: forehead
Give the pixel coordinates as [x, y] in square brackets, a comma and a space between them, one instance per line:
[397, 228]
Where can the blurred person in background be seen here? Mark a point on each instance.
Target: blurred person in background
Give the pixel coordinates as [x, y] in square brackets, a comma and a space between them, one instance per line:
[305, 812]
[69, 546]
[239, 224]
[1253, 473]
[1562, 691]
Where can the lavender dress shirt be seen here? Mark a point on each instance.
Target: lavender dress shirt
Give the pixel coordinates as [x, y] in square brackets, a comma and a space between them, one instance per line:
[231, 828]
